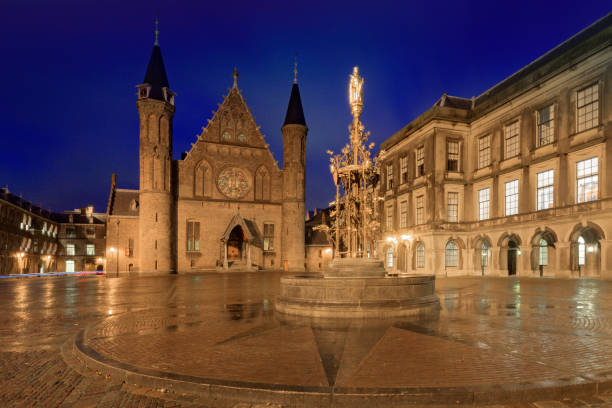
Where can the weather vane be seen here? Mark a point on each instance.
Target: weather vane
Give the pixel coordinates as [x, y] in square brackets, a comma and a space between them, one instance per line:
[156, 31]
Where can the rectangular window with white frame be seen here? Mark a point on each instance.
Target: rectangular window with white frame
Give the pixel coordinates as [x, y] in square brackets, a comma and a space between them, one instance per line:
[452, 155]
[390, 218]
[484, 202]
[452, 206]
[511, 140]
[546, 125]
[545, 190]
[484, 151]
[91, 249]
[420, 161]
[420, 210]
[70, 250]
[390, 176]
[512, 197]
[587, 108]
[404, 214]
[587, 180]
[403, 169]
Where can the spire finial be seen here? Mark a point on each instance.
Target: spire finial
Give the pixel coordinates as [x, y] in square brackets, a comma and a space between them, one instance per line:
[235, 75]
[295, 71]
[156, 31]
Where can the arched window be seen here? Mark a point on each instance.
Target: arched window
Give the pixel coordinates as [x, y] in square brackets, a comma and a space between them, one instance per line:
[420, 255]
[203, 180]
[390, 257]
[242, 138]
[226, 136]
[581, 251]
[262, 184]
[543, 253]
[484, 254]
[451, 254]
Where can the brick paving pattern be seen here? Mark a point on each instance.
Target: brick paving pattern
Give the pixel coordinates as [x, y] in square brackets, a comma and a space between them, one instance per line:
[527, 329]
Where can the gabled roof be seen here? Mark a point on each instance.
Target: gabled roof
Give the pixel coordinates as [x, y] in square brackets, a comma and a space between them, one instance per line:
[156, 75]
[295, 113]
[249, 228]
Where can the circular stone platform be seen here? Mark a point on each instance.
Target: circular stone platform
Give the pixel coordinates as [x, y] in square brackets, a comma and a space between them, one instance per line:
[496, 341]
[357, 288]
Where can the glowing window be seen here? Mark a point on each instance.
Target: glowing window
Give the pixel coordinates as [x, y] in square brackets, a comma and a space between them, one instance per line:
[587, 180]
[420, 255]
[390, 257]
[581, 251]
[543, 253]
[483, 204]
[512, 195]
[545, 190]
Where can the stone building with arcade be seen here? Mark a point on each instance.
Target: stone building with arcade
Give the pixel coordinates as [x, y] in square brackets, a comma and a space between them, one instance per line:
[512, 182]
[226, 204]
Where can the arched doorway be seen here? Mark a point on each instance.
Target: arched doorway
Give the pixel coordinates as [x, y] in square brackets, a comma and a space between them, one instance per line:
[235, 244]
[543, 252]
[586, 250]
[512, 254]
[509, 251]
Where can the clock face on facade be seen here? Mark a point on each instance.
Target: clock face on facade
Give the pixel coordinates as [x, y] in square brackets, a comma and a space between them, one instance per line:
[234, 182]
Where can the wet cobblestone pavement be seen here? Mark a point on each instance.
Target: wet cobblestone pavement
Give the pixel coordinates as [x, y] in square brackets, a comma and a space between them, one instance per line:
[223, 328]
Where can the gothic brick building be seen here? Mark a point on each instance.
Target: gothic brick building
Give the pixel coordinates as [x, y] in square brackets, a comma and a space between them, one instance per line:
[515, 181]
[225, 204]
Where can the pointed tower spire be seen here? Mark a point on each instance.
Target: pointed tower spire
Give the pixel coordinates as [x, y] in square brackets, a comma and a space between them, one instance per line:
[295, 113]
[155, 76]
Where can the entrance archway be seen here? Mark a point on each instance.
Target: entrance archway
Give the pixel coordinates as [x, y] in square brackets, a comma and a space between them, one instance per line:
[509, 252]
[512, 254]
[586, 250]
[482, 255]
[235, 244]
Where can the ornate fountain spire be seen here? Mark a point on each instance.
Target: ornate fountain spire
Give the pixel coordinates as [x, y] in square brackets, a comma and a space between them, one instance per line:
[356, 93]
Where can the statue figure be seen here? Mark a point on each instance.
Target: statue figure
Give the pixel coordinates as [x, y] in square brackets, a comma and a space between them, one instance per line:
[355, 89]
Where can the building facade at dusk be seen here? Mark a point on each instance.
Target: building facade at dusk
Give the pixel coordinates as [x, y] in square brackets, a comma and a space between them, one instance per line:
[513, 182]
[28, 236]
[82, 240]
[224, 205]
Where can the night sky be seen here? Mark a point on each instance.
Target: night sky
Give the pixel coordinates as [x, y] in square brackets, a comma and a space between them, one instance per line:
[68, 117]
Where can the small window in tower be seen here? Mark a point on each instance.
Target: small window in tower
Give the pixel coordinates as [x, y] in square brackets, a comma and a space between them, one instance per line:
[242, 138]
[143, 92]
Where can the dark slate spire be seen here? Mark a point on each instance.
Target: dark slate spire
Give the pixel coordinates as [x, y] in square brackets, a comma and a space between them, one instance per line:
[295, 113]
[156, 74]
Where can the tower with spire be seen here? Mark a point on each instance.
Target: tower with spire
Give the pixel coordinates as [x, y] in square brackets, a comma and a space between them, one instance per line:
[156, 202]
[294, 131]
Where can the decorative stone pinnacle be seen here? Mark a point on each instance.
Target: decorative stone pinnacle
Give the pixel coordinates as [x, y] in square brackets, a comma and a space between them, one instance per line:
[156, 31]
[235, 76]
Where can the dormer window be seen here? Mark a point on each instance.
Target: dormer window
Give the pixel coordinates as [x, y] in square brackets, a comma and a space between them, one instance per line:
[143, 91]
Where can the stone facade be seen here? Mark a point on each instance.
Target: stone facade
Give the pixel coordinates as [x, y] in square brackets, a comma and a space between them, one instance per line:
[224, 205]
[28, 236]
[514, 181]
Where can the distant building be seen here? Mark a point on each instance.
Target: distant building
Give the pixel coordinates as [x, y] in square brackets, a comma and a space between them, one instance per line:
[515, 181]
[319, 249]
[224, 205]
[35, 240]
[82, 240]
[28, 236]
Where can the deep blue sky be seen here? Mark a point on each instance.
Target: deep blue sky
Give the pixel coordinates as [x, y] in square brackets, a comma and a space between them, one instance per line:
[68, 115]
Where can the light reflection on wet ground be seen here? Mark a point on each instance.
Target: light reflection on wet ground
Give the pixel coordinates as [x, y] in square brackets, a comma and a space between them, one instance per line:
[513, 328]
